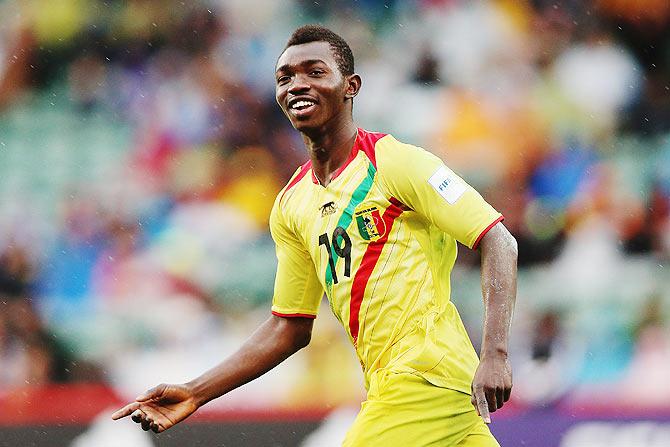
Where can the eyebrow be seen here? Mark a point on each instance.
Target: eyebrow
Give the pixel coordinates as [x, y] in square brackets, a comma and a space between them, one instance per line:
[303, 63]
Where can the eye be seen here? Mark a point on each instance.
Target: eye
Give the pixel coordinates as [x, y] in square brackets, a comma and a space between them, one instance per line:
[316, 72]
[283, 79]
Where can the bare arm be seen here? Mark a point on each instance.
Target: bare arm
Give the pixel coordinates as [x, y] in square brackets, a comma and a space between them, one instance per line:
[273, 342]
[492, 383]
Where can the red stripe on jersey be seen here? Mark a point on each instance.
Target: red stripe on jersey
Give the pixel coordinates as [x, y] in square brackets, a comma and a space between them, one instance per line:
[370, 258]
[397, 203]
[294, 315]
[303, 171]
[486, 230]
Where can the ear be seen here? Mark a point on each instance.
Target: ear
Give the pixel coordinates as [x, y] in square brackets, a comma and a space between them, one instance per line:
[353, 83]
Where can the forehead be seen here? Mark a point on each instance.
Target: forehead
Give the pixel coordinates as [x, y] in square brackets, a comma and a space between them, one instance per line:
[297, 55]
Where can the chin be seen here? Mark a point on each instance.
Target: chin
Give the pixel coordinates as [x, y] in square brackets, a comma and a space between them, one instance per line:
[306, 126]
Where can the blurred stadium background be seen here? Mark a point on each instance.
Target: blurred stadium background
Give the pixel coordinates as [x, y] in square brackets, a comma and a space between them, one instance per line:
[141, 150]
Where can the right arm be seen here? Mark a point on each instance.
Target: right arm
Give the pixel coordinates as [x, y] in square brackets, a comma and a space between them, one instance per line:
[274, 341]
[296, 300]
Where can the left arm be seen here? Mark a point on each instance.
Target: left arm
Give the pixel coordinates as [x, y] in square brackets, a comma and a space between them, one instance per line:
[421, 181]
[492, 384]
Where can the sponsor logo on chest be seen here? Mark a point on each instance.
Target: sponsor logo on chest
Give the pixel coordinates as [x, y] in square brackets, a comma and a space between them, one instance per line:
[328, 208]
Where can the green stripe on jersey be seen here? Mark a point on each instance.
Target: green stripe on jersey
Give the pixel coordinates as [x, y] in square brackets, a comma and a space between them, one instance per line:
[357, 197]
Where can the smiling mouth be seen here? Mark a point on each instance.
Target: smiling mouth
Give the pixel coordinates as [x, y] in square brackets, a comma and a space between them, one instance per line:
[302, 105]
[302, 109]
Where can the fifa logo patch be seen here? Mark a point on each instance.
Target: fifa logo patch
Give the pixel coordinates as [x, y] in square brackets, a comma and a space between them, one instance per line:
[328, 208]
[370, 224]
[447, 185]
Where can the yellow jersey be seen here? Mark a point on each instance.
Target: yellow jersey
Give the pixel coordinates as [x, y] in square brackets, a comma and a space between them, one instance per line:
[380, 240]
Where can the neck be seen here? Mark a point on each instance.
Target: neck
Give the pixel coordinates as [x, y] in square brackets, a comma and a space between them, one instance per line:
[329, 148]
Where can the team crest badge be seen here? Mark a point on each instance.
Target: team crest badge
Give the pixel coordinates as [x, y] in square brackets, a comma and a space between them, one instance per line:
[370, 224]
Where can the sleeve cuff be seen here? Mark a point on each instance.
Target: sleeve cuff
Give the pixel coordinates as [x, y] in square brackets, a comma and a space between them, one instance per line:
[486, 230]
[293, 315]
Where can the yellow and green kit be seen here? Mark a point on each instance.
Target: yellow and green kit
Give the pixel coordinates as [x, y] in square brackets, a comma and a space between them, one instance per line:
[380, 240]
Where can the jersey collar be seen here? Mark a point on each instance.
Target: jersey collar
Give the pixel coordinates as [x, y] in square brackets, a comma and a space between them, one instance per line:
[352, 155]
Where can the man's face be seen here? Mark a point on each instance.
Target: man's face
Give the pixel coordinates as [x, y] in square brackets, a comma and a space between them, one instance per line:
[309, 86]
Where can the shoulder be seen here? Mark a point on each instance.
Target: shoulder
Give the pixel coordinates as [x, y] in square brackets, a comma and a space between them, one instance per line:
[296, 178]
[367, 142]
[284, 195]
[397, 157]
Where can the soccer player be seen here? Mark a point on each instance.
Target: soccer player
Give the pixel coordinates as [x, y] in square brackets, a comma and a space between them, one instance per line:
[373, 222]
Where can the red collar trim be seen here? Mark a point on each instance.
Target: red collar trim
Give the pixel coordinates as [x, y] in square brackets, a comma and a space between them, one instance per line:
[352, 155]
[303, 171]
[365, 141]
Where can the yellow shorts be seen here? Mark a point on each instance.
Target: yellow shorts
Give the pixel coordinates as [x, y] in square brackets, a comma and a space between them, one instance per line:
[405, 410]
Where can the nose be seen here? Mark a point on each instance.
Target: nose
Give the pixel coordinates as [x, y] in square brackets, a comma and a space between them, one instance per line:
[300, 84]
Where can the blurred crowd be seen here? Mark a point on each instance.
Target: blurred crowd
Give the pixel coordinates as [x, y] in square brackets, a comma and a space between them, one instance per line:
[557, 111]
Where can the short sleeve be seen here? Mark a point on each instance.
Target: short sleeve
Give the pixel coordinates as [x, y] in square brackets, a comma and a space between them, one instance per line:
[422, 182]
[297, 291]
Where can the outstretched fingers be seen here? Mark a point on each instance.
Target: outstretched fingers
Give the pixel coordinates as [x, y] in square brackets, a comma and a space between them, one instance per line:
[126, 411]
[159, 408]
[158, 422]
[140, 401]
[148, 417]
[151, 419]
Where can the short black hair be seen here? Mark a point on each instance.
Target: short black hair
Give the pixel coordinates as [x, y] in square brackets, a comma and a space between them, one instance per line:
[317, 33]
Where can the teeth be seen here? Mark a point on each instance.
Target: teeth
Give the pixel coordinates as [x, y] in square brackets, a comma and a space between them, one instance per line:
[301, 104]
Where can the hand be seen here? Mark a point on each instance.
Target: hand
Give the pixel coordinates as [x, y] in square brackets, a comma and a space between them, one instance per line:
[492, 385]
[160, 408]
